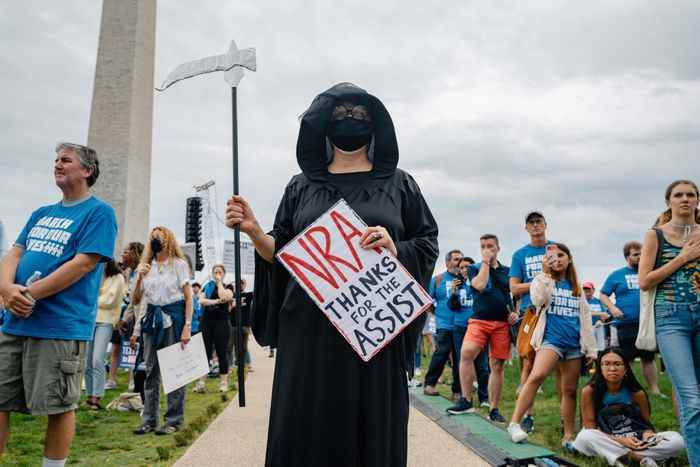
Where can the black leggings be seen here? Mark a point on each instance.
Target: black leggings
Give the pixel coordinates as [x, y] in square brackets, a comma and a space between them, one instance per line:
[216, 335]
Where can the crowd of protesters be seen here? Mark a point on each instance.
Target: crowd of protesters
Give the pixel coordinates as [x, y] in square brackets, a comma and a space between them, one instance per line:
[67, 298]
[540, 310]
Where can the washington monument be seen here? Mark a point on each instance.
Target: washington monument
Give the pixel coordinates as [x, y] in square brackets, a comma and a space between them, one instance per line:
[121, 117]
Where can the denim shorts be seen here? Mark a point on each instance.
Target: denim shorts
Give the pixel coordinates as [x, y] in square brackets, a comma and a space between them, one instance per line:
[564, 354]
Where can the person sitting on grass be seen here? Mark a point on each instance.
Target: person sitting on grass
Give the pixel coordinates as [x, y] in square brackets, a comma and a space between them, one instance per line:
[615, 415]
[562, 337]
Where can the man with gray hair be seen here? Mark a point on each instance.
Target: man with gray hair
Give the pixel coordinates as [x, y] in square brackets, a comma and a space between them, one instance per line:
[49, 281]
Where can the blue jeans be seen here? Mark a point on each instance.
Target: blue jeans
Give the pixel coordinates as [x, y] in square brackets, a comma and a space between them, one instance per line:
[481, 364]
[678, 338]
[95, 360]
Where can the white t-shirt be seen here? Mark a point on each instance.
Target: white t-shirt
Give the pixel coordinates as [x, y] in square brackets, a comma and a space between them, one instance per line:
[163, 283]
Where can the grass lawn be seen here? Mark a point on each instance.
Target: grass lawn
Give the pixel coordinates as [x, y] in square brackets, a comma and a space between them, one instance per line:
[105, 437]
[547, 420]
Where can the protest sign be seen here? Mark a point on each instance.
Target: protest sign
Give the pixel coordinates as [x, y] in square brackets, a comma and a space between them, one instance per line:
[180, 366]
[247, 257]
[127, 355]
[367, 294]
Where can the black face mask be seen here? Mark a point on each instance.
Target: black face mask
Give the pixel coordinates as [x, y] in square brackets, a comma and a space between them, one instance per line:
[156, 246]
[350, 134]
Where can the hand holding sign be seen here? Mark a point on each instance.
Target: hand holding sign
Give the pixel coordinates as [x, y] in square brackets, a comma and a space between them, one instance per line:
[377, 237]
[362, 289]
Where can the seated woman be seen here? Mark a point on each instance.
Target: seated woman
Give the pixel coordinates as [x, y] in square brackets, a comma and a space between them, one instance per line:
[615, 415]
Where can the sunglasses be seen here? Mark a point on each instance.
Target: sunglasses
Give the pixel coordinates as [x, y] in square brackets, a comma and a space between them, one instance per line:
[357, 112]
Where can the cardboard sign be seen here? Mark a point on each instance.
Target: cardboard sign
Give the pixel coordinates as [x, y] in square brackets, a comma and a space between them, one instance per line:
[127, 355]
[367, 294]
[180, 366]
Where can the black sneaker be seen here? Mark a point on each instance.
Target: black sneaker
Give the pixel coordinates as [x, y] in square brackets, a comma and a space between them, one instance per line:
[143, 429]
[528, 424]
[462, 406]
[496, 417]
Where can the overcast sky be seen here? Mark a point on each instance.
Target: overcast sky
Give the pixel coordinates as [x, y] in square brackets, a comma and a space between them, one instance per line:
[584, 110]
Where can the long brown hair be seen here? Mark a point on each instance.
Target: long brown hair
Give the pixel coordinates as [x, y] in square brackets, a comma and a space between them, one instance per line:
[570, 273]
[665, 216]
[112, 268]
[170, 246]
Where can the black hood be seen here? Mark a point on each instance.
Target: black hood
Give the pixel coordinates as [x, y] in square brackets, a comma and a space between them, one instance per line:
[312, 144]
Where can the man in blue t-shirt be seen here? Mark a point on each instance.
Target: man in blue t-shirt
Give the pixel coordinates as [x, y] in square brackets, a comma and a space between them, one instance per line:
[599, 316]
[50, 280]
[624, 285]
[442, 288]
[524, 266]
[462, 315]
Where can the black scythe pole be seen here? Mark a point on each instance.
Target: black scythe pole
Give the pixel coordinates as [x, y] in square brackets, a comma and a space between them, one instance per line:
[240, 365]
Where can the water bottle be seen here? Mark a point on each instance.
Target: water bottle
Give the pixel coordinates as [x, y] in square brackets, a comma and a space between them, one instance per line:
[36, 275]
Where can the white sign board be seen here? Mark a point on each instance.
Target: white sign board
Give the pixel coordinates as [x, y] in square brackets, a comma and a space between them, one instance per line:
[180, 366]
[247, 257]
[367, 294]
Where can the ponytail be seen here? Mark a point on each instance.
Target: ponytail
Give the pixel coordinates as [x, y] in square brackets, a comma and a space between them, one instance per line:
[664, 218]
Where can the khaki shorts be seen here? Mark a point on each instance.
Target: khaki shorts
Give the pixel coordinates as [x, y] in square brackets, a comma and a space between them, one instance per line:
[40, 376]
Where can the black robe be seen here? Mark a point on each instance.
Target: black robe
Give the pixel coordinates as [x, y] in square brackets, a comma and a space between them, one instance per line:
[329, 408]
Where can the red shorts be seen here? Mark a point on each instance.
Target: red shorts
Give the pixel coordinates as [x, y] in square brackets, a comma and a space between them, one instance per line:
[496, 333]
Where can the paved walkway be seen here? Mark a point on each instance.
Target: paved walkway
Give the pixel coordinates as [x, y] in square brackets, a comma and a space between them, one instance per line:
[238, 435]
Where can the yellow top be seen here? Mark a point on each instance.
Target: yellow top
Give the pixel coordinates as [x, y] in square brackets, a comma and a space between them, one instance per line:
[109, 303]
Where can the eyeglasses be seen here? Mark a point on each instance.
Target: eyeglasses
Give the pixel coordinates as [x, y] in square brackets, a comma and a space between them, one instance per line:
[613, 364]
[358, 112]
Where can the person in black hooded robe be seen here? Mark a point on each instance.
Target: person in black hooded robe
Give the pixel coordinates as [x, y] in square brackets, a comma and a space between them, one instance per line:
[329, 408]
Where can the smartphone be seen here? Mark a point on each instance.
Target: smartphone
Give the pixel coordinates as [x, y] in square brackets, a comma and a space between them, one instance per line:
[551, 251]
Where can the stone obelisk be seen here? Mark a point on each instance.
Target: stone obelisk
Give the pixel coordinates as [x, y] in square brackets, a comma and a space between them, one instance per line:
[121, 118]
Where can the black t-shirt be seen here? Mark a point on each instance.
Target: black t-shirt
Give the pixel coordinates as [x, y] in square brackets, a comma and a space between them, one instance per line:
[218, 312]
[494, 303]
[246, 298]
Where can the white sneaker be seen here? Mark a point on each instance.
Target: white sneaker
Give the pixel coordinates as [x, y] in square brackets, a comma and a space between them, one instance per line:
[110, 385]
[417, 372]
[200, 387]
[648, 462]
[223, 385]
[517, 434]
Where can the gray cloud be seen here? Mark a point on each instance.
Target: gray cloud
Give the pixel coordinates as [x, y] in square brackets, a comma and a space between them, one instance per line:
[584, 110]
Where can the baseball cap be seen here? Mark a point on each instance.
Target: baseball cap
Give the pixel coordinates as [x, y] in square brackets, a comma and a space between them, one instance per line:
[533, 214]
[588, 285]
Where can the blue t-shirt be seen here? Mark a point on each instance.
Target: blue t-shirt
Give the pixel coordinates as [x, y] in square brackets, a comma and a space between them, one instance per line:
[525, 265]
[444, 316]
[624, 285]
[53, 236]
[596, 306]
[196, 314]
[563, 323]
[466, 300]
